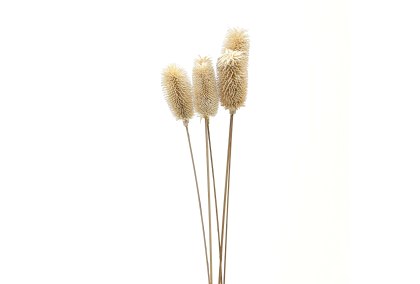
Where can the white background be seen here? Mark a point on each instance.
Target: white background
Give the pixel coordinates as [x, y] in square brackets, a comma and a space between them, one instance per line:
[96, 183]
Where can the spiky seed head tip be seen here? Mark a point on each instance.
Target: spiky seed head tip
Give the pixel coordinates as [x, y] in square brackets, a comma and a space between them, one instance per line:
[237, 39]
[177, 88]
[206, 100]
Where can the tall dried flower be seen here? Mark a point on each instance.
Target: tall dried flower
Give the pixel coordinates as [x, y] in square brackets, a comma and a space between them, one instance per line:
[232, 72]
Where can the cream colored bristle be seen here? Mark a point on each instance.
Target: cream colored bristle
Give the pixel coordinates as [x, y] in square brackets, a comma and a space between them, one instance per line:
[177, 88]
[232, 79]
[206, 100]
[237, 39]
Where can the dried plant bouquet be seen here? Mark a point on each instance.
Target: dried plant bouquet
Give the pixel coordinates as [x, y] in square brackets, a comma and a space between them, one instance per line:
[203, 96]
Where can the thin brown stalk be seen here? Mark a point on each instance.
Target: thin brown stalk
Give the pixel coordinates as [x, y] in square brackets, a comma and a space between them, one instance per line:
[199, 200]
[227, 222]
[208, 197]
[227, 202]
[225, 197]
[214, 186]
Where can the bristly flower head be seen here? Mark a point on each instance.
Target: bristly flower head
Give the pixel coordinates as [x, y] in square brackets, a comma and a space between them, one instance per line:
[177, 89]
[232, 69]
[206, 100]
[232, 79]
[237, 39]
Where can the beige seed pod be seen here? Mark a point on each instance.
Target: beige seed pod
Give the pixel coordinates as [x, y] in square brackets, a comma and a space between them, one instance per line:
[237, 39]
[232, 79]
[177, 88]
[206, 100]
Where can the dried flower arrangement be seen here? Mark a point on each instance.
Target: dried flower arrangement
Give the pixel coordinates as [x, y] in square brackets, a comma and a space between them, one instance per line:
[203, 96]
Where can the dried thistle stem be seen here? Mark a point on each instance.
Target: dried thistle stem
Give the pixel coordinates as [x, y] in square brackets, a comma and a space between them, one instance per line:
[208, 196]
[225, 199]
[214, 186]
[199, 199]
[228, 195]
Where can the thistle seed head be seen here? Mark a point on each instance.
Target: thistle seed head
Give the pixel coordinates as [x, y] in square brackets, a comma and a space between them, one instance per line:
[232, 79]
[177, 88]
[237, 39]
[206, 100]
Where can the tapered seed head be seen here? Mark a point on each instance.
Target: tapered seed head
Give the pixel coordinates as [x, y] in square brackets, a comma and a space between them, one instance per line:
[237, 39]
[177, 89]
[206, 100]
[232, 79]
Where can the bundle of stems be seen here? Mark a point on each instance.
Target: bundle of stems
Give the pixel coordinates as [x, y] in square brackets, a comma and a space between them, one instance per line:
[203, 97]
